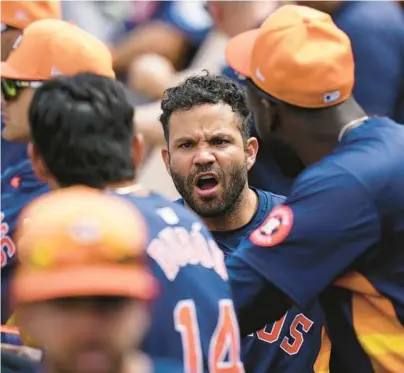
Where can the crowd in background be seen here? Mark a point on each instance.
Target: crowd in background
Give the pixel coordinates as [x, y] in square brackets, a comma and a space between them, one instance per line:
[156, 44]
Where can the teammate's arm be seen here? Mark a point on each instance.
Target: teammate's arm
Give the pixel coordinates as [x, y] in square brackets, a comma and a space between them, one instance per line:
[253, 297]
[326, 224]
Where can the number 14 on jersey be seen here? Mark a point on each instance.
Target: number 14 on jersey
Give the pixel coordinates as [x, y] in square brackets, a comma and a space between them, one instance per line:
[224, 347]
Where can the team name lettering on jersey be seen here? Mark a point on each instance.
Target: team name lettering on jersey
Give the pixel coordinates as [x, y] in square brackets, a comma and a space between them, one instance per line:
[177, 247]
[7, 244]
[290, 344]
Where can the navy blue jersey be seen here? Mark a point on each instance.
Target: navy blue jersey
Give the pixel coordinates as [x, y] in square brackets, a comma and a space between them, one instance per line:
[12, 153]
[193, 318]
[19, 186]
[340, 237]
[167, 366]
[292, 344]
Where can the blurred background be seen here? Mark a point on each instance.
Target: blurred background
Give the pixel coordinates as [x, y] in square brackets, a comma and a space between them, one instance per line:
[156, 44]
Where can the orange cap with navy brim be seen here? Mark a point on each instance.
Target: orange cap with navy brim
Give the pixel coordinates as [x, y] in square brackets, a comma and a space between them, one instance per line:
[49, 47]
[20, 14]
[80, 241]
[298, 56]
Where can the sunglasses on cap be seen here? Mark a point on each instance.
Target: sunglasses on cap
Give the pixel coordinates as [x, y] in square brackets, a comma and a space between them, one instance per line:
[11, 88]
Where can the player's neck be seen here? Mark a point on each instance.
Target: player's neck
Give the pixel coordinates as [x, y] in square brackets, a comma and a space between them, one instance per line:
[242, 213]
[321, 140]
[130, 185]
[121, 184]
[127, 187]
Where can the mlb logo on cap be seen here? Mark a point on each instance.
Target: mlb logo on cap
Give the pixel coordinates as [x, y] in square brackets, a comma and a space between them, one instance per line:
[331, 97]
[298, 56]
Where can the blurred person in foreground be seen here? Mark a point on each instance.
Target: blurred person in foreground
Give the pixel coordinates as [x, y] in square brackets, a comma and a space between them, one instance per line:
[208, 154]
[339, 235]
[15, 17]
[82, 133]
[82, 286]
[52, 47]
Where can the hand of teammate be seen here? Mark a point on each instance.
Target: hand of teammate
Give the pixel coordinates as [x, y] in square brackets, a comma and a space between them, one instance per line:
[151, 74]
[15, 363]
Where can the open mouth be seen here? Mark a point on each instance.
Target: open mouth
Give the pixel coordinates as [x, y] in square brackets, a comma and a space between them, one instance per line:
[207, 183]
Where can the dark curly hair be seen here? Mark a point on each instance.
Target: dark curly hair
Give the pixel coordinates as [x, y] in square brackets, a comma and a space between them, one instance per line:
[206, 89]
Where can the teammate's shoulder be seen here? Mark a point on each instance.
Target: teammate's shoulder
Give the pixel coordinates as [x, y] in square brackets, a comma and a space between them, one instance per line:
[154, 204]
[275, 199]
[367, 157]
[370, 153]
[179, 208]
[180, 201]
[20, 178]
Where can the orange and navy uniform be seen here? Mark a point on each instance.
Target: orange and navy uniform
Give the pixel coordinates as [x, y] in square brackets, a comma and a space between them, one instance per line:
[19, 186]
[194, 310]
[339, 237]
[295, 341]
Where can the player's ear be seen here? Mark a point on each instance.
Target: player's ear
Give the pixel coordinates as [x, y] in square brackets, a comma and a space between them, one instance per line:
[38, 164]
[166, 159]
[138, 150]
[251, 152]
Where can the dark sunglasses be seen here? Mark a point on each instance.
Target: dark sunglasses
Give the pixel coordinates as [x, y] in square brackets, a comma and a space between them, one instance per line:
[5, 27]
[11, 88]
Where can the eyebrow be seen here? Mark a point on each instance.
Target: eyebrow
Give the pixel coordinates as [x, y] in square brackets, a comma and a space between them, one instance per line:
[183, 139]
[211, 136]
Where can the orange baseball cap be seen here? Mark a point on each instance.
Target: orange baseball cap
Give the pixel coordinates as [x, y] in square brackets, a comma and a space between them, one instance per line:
[298, 55]
[50, 47]
[20, 14]
[80, 241]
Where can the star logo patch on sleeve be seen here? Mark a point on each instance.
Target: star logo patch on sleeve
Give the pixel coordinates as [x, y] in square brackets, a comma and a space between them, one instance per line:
[275, 228]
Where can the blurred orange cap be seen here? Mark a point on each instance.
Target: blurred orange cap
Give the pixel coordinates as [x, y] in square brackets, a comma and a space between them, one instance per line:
[20, 14]
[80, 241]
[54, 47]
[298, 56]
